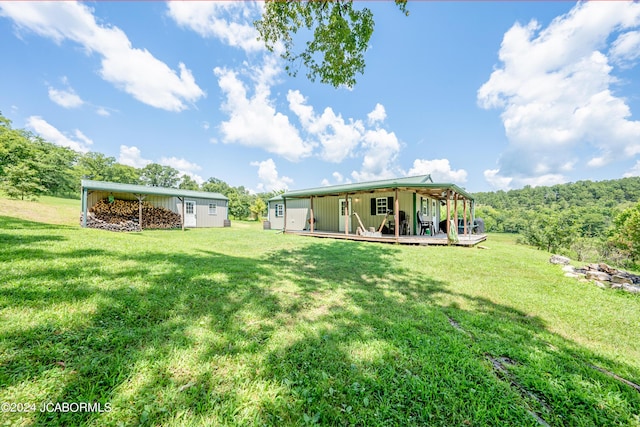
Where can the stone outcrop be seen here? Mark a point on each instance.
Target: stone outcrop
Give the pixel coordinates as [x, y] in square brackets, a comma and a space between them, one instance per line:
[602, 275]
[559, 259]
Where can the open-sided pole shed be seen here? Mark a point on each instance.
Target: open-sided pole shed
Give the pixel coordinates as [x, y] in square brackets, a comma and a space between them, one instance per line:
[208, 209]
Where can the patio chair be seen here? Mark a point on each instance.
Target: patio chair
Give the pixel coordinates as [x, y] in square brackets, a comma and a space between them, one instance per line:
[424, 224]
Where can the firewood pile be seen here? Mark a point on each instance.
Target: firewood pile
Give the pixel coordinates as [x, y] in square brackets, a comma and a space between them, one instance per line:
[123, 215]
[94, 222]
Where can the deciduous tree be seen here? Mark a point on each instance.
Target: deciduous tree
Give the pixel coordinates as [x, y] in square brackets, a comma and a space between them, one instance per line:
[340, 37]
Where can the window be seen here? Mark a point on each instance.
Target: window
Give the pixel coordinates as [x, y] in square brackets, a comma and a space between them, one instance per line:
[189, 208]
[426, 203]
[381, 206]
[279, 210]
[213, 209]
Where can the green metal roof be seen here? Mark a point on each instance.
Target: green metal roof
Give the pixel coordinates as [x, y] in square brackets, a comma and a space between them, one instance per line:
[144, 189]
[423, 182]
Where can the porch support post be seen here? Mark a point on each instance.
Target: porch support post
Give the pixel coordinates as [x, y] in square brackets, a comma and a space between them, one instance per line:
[455, 211]
[448, 211]
[473, 213]
[415, 219]
[465, 216]
[396, 211]
[312, 219]
[346, 214]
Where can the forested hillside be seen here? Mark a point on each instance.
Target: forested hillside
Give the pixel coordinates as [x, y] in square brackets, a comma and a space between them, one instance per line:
[590, 220]
[31, 166]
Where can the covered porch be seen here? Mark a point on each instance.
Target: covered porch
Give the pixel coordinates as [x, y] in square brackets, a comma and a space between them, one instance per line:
[412, 210]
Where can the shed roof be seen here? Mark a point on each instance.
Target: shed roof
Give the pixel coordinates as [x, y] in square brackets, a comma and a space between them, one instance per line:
[422, 184]
[145, 189]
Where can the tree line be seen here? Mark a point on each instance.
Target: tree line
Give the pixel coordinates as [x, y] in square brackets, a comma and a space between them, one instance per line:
[586, 220]
[31, 167]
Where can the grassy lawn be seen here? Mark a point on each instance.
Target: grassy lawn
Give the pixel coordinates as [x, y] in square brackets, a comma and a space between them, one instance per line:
[241, 326]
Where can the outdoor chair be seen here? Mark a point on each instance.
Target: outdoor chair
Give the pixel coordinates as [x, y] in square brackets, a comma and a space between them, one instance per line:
[424, 224]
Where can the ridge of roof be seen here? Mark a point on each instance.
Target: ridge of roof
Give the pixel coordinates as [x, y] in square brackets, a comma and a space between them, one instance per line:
[146, 189]
[419, 181]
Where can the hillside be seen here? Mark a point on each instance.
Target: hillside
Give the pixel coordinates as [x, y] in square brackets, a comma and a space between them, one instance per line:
[595, 194]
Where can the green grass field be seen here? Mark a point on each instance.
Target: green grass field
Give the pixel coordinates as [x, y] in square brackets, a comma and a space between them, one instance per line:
[244, 327]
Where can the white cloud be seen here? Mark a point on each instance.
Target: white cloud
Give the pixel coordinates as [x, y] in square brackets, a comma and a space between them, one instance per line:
[253, 120]
[136, 71]
[492, 176]
[626, 49]
[180, 164]
[65, 98]
[439, 169]
[338, 177]
[131, 156]
[554, 90]
[183, 166]
[500, 182]
[337, 138]
[381, 150]
[634, 171]
[230, 22]
[377, 115]
[51, 134]
[101, 111]
[268, 175]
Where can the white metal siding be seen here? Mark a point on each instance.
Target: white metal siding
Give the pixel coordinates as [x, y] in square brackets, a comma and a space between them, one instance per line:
[297, 214]
[203, 219]
[277, 223]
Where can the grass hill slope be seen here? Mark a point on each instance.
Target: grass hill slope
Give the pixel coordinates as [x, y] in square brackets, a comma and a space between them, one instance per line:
[240, 326]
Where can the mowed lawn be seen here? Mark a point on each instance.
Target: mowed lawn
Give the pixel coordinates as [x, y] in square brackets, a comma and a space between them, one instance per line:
[244, 327]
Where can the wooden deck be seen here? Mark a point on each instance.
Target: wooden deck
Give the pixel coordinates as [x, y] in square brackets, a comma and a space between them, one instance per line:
[439, 239]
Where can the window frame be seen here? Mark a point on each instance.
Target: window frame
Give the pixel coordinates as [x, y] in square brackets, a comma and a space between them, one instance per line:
[279, 210]
[379, 206]
[215, 208]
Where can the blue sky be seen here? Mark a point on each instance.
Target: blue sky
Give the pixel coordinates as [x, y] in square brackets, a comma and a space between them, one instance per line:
[486, 95]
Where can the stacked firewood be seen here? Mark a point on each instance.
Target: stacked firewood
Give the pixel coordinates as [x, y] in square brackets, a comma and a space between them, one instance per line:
[124, 214]
[153, 217]
[94, 222]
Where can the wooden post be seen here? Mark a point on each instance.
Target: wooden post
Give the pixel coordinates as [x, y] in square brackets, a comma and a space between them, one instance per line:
[312, 219]
[396, 211]
[346, 214]
[415, 219]
[465, 216]
[448, 213]
[455, 210]
[140, 198]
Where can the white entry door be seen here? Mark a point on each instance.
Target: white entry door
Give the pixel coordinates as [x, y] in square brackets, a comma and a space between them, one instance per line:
[189, 213]
[341, 206]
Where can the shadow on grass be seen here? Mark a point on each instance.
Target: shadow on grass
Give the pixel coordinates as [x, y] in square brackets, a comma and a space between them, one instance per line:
[331, 333]
[7, 222]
